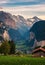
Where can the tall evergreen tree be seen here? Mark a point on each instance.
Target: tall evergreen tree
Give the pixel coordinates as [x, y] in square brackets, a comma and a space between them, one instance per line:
[5, 47]
[12, 47]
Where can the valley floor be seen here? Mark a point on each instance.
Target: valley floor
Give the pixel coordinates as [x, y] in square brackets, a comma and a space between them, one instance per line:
[13, 60]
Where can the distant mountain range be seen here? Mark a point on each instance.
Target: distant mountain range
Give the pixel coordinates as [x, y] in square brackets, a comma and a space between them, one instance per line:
[17, 27]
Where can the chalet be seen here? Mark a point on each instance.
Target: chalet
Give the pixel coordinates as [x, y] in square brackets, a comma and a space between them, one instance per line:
[39, 52]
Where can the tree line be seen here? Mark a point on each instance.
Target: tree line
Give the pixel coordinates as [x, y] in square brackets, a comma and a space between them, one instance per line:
[7, 47]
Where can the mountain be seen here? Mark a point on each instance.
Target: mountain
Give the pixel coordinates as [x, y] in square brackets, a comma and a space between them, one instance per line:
[7, 18]
[24, 26]
[38, 30]
[33, 20]
[6, 35]
[21, 24]
[17, 28]
[15, 34]
[3, 29]
[15, 24]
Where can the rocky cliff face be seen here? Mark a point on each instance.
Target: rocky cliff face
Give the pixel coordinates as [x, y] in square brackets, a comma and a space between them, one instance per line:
[3, 33]
[38, 29]
[6, 35]
[7, 19]
[17, 28]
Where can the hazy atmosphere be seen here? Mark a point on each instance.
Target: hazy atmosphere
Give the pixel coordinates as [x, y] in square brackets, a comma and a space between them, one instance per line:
[22, 32]
[26, 8]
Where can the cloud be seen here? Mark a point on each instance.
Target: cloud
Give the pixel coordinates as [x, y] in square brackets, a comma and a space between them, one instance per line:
[27, 11]
[26, 8]
[15, 1]
[3, 1]
[20, 2]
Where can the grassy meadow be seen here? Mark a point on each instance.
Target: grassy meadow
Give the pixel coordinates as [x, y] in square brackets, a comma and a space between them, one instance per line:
[17, 60]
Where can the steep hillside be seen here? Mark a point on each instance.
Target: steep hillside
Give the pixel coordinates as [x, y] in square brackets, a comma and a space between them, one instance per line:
[7, 19]
[39, 30]
[38, 33]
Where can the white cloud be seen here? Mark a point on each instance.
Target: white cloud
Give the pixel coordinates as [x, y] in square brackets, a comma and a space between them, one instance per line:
[27, 11]
[15, 1]
[3, 1]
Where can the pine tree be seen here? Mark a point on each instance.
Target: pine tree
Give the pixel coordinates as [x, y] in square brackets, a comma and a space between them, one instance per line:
[5, 47]
[12, 47]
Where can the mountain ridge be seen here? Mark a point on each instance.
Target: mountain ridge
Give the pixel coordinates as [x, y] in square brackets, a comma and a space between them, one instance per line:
[18, 28]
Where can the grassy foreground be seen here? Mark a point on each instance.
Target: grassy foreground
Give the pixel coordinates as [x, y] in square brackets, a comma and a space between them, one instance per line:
[12, 60]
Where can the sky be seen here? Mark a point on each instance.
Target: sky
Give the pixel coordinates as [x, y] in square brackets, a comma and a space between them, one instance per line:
[26, 8]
